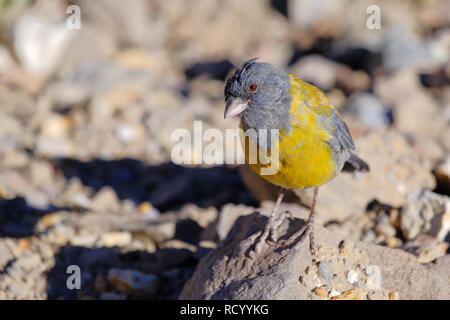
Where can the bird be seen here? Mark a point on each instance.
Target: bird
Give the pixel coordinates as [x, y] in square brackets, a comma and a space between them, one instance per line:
[301, 127]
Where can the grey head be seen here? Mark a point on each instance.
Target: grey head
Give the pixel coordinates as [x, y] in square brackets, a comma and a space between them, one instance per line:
[259, 93]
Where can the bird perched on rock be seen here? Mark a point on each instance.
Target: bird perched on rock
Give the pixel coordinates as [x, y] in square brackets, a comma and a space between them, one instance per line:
[306, 141]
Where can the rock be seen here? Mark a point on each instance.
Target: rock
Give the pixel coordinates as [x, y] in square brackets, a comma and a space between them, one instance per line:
[85, 240]
[425, 212]
[112, 239]
[327, 74]
[352, 276]
[394, 295]
[325, 272]
[404, 50]
[229, 273]
[356, 294]
[41, 37]
[368, 109]
[442, 173]
[105, 200]
[158, 231]
[132, 281]
[316, 70]
[321, 292]
[413, 108]
[384, 227]
[426, 248]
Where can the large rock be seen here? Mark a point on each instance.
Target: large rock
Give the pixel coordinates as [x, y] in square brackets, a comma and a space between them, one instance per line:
[340, 270]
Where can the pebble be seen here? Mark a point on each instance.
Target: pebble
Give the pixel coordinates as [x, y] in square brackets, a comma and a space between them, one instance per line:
[333, 293]
[352, 276]
[321, 291]
[373, 281]
[85, 240]
[105, 200]
[442, 173]
[394, 295]
[112, 239]
[355, 294]
[420, 210]
[324, 271]
[368, 109]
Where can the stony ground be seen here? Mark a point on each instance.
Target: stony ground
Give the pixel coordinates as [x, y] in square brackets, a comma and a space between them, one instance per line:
[86, 118]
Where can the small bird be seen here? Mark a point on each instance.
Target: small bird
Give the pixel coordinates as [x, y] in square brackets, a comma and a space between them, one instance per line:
[313, 144]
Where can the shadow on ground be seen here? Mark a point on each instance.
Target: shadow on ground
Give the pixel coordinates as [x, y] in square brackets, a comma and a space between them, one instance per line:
[96, 263]
[18, 218]
[167, 186]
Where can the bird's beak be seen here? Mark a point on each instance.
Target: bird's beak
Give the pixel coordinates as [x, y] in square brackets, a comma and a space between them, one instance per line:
[235, 106]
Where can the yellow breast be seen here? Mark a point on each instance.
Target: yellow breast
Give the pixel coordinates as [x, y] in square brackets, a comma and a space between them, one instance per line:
[305, 159]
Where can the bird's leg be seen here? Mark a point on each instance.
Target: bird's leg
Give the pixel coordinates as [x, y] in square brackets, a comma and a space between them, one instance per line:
[272, 224]
[308, 226]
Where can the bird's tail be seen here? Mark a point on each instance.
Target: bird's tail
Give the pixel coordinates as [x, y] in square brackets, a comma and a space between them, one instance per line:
[355, 164]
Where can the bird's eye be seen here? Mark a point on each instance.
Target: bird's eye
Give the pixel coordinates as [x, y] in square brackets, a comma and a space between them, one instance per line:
[252, 87]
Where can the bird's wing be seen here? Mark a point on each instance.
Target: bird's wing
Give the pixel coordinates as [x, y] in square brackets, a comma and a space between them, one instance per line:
[306, 98]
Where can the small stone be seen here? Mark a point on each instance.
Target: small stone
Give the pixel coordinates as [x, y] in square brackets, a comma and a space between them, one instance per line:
[432, 251]
[375, 296]
[442, 174]
[85, 240]
[146, 208]
[352, 276]
[23, 244]
[426, 212]
[355, 294]
[373, 274]
[51, 219]
[393, 242]
[112, 239]
[324, 271]
[55, 126]
[177, 244]
[105, 200]
[368, 109]
[394, 295]
[384, 227]
[333, 293]
[160, 231]
[321, 292]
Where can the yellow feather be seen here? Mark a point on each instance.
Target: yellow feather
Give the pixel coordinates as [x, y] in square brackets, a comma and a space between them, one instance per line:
[305, 159]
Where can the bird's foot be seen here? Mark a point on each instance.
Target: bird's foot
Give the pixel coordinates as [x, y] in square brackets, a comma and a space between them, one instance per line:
[270, 234]
[277, 222]
[300, 236]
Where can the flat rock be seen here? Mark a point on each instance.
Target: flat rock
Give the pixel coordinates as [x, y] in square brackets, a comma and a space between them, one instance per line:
[281, 272]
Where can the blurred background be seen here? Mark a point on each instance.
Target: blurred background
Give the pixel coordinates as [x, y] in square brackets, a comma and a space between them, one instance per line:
[86, 117]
